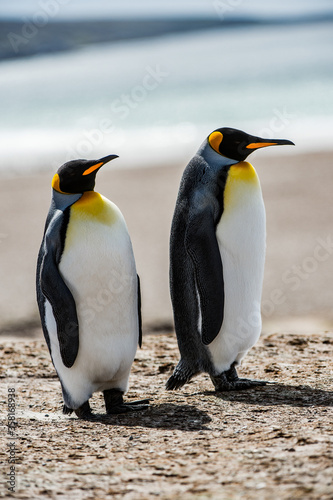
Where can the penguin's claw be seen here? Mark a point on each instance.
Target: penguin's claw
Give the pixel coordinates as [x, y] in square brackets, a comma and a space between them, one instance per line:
[174, 383]
[140, 402]
[222, 385]
[128, 407]
[252, 382]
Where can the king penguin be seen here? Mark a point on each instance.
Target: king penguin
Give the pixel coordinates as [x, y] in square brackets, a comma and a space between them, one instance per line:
[217, 254]
[88, 292]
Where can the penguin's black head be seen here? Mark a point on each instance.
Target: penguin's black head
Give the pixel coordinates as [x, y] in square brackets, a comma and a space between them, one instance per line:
[78, 176]
[237, 145]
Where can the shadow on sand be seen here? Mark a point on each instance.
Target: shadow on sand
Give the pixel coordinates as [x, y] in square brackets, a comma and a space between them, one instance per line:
[279, 394]
[163, 416]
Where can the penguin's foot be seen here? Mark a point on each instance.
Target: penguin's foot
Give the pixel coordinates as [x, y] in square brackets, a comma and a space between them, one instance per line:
[84, 412]
[114, 403]
[181, 375]
[229, 381]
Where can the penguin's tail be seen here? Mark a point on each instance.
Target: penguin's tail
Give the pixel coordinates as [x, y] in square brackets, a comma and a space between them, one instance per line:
[181, 375]
[66, 410]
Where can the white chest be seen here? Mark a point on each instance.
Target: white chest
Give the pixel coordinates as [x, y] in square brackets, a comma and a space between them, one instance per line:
[241, 235]
[98, 267]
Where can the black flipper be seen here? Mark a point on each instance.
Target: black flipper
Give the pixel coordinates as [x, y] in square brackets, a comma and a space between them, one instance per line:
[139, 312]
[56, 291]
[202, 247]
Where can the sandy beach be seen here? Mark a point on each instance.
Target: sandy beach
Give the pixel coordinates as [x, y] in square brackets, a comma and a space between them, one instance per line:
[298, 292]
[193, 444]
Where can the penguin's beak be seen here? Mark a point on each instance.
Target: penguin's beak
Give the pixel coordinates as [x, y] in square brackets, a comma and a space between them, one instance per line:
[258, 142]
[106, 159]
[99, 163]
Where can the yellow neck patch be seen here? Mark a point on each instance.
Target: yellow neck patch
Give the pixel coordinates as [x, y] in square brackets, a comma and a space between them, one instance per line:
[94, 205]
[243, 171]
[242, 181]
[215, 140]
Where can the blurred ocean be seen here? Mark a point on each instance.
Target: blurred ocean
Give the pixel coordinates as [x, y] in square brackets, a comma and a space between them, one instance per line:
[153, 100]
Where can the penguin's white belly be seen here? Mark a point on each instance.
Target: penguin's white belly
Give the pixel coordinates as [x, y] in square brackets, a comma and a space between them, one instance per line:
[241, 235]
[98, 267]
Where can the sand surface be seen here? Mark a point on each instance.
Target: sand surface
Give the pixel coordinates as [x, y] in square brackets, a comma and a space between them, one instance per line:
[273, 442]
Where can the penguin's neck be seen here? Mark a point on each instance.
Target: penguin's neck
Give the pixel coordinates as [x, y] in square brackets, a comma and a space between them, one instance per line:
[214, 160]
[62, 201]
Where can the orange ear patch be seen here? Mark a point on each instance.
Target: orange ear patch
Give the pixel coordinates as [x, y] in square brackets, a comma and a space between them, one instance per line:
[215, 140]
[56, 183]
